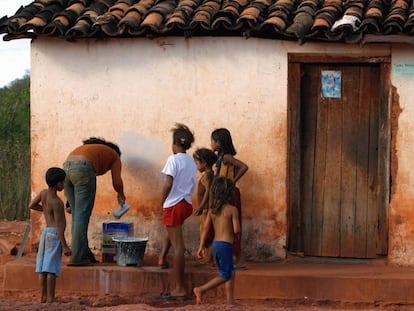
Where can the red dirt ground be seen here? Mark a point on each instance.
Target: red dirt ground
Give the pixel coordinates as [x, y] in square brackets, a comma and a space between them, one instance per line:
[11, 234]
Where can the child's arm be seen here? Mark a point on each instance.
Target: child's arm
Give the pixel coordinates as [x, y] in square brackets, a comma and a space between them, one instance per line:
[37, 202]
[166, 188]
[204, 235]
[241, 167]
[206, 182]
[68, 208]
[235, 221]
[59, 213]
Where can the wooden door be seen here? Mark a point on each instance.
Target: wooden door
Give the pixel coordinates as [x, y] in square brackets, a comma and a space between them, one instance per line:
[339, 160]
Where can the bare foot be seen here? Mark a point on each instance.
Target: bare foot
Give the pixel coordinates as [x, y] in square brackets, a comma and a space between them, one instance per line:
[197, 294]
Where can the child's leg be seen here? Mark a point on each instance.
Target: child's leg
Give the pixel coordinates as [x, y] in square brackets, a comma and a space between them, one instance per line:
[51, 285]
[198, 291]
[236, 201]
[229, 289]
[162, 259]
[43, 286]
[208, 256]
[202, 222]
[176, 238]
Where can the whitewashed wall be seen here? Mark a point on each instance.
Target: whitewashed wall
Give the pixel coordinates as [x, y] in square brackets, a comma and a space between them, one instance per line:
[132, 91]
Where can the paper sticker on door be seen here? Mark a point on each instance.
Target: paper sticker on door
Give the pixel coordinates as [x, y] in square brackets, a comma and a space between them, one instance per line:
[331, 83]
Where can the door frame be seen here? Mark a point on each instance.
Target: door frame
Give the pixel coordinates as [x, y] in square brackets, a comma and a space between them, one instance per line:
[294, 210]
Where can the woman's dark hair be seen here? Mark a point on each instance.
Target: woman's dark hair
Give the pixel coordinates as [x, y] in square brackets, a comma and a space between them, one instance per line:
[205, 155]
[54, 175]
[182, 136]
[221, 192]
[101, 141]
[223, 137]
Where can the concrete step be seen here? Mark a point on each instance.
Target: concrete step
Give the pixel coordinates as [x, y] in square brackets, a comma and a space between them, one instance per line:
[335, 280]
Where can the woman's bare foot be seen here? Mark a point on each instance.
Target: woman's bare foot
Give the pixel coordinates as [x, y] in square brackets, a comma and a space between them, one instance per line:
[197, 294]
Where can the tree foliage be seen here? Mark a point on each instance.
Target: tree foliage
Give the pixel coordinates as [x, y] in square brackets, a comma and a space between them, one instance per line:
[15, 149]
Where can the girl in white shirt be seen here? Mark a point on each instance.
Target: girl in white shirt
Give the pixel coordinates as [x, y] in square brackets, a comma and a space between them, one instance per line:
[180, 174]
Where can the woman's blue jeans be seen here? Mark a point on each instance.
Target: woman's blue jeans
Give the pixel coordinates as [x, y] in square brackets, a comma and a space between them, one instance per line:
[80, 190]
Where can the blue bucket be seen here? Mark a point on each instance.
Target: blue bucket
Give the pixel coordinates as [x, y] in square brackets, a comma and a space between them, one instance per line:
[110, 230]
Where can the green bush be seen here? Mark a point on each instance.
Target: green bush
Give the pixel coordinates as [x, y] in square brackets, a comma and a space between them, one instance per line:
[15, 150]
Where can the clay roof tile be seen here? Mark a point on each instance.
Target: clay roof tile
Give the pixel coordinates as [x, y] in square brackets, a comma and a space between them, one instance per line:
[282, 19]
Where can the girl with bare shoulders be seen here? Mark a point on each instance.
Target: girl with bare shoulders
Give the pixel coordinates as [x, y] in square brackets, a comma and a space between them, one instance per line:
[224, 218]
[229, 166]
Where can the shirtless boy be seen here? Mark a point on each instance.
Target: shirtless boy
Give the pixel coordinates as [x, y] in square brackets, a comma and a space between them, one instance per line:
[52, 240]
[224, 219]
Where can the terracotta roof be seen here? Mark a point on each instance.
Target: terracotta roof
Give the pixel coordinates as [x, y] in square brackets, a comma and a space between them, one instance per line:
[304, 20]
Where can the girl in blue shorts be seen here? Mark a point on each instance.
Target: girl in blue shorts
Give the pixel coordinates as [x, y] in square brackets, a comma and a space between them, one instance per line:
[224, 219]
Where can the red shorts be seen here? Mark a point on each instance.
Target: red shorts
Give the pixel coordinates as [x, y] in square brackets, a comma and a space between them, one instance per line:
[175, 215]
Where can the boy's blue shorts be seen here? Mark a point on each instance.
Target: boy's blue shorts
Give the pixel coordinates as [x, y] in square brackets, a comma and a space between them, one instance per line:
[49, 255]
[223, 255]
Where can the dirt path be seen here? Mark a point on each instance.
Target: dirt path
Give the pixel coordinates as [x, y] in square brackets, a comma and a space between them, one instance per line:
[11, 233]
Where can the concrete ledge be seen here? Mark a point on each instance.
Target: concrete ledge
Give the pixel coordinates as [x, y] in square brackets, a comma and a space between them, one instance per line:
[353, 282]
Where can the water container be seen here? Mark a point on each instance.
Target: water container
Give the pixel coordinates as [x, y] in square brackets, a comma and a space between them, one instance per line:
[110, 230]
[130, 250]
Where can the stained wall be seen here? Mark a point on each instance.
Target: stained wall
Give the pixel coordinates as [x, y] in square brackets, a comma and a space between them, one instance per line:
[401, 220]
[132, 91]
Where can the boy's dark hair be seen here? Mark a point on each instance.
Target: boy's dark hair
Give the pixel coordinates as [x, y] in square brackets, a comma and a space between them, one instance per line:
[205, 155]
[182, 136]
[54, 175]
[223, 136]
[221, 192]
[101, 141]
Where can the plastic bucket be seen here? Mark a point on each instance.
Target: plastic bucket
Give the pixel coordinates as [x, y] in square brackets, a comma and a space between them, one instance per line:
[129, 251]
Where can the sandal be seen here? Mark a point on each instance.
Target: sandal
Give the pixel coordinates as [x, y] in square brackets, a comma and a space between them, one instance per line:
[164, 265]
[80, 263]
[168, 296]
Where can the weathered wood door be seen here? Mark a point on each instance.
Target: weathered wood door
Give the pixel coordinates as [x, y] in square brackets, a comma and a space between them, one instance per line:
[339, 161]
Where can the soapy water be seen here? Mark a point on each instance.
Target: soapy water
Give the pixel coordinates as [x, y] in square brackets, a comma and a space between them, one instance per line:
[140, 151]
[130, 250]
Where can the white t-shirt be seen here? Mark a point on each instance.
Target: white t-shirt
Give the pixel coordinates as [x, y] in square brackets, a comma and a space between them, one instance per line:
[183, 170]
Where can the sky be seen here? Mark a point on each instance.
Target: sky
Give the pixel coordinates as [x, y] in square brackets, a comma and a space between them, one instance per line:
[14, 54]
